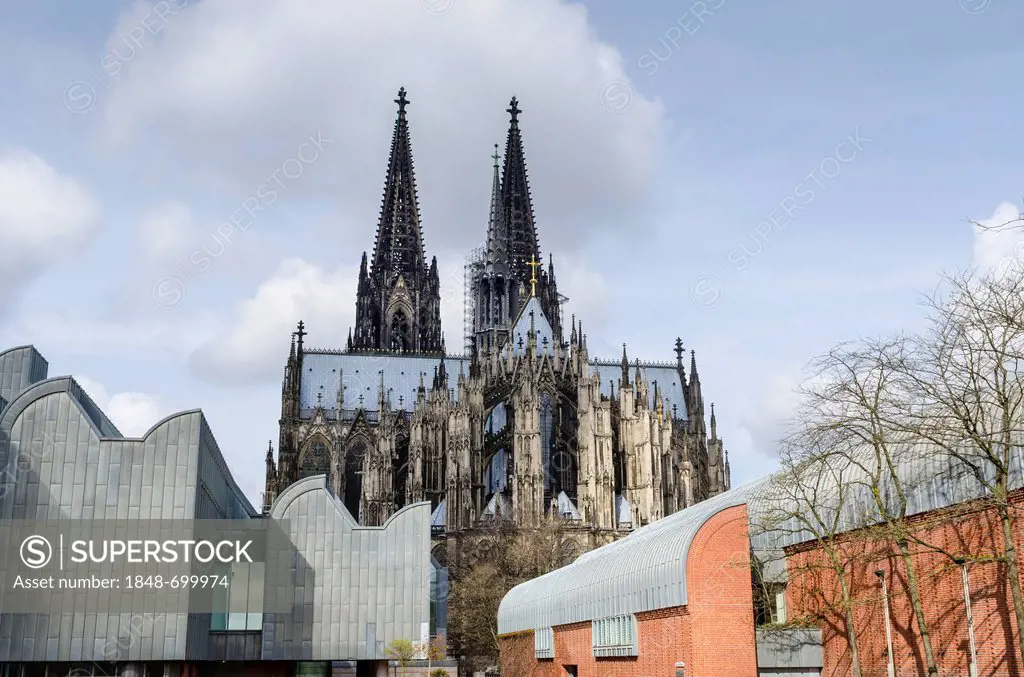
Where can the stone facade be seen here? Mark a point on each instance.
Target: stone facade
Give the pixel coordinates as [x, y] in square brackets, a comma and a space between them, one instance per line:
[524, 426]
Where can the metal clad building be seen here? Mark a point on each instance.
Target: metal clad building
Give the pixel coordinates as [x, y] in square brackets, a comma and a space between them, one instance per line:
[62, 458]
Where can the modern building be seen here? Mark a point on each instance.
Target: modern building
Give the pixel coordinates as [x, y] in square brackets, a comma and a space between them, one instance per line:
[522, 426]
[739, 586]
[353, 589]
[676, 591]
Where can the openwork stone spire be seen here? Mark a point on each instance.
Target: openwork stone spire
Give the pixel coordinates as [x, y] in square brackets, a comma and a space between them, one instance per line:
[398, 248]
[398, 299]
[517, 203]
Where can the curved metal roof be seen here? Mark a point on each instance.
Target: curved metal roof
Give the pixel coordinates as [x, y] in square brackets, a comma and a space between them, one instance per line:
[643, 571]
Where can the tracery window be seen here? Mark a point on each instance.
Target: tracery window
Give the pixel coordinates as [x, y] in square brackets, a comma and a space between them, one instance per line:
[315, 459]
[399, 331]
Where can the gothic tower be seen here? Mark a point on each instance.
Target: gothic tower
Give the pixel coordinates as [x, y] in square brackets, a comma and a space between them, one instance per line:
[398, 305]
[513, 268]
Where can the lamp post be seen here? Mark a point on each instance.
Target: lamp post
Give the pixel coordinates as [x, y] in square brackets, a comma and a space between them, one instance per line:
[891, 667]
[973, 666]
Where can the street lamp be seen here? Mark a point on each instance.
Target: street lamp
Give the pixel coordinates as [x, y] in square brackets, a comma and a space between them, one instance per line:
[973, 667]
[891, 667]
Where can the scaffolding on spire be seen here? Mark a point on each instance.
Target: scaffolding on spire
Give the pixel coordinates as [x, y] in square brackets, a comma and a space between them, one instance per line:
[472, 272]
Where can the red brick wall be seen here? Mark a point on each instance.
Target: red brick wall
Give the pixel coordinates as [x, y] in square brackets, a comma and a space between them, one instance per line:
[720, 596]
[813, 593]
[713, 635]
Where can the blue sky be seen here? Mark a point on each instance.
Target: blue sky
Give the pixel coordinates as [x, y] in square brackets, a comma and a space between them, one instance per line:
[664, 140]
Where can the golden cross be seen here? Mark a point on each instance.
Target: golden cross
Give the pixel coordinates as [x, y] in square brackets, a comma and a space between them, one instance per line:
[534, 265]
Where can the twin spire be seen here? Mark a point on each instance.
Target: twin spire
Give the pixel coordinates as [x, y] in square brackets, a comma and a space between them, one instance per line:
[399, 244]
[398, 297]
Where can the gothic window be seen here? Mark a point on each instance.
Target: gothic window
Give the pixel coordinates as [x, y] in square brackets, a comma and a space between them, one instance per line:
[315, 459]
[354, 477]
[497, 419]
[547, 426]
[399, 331]
[496, 475]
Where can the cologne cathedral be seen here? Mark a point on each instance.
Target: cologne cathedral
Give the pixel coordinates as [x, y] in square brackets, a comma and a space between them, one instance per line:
[524, 426]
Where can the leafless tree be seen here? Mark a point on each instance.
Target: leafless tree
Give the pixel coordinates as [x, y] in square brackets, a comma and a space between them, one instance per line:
[495, 560]
[806, 502]
[968, 394]
[854, 406]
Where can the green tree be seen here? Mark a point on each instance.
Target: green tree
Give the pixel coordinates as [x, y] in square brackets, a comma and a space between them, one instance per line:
[402, 651]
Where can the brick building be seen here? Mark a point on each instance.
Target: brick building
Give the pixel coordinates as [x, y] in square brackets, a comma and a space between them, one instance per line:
[969, 531]
[714, 588]
[639, 606]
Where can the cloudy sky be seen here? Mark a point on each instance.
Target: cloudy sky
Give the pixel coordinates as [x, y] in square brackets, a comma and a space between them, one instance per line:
[181, 181]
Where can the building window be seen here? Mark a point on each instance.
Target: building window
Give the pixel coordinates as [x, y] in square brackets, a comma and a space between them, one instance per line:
[544, 643]
[241, 603]
[315, 459]
[614, 636]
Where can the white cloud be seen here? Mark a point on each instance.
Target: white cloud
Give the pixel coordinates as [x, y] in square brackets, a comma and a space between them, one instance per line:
[44, 216]
[256, 346]
[999, 239]
[235, 88]
[133, 413]
[587, 292]
[166, 231]
[766, 418]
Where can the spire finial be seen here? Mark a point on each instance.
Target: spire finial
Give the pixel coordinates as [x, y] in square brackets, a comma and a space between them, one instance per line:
[496, 157]
[534, 265]
[513, 109]
[679, 352]
[402, 101]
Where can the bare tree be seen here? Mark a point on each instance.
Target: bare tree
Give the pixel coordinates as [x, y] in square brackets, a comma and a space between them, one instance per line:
[493, 562]
[806, 501]
[854, 406]
[969, 395]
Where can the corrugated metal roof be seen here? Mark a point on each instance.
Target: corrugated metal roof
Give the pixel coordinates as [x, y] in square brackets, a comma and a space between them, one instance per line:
[842, 492]
[643, 571]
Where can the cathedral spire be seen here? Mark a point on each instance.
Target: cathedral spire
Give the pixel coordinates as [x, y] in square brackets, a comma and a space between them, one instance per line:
[516, 202]
[497, 237]
[300, 334]
[399, 245]
[398, 295]
[625, 367]
[714, 423]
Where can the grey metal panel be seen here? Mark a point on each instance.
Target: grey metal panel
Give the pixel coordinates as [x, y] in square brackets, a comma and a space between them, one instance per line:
[69, 470]
[790, 649]
[619, 578]
[19, 368]
[343, 577]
